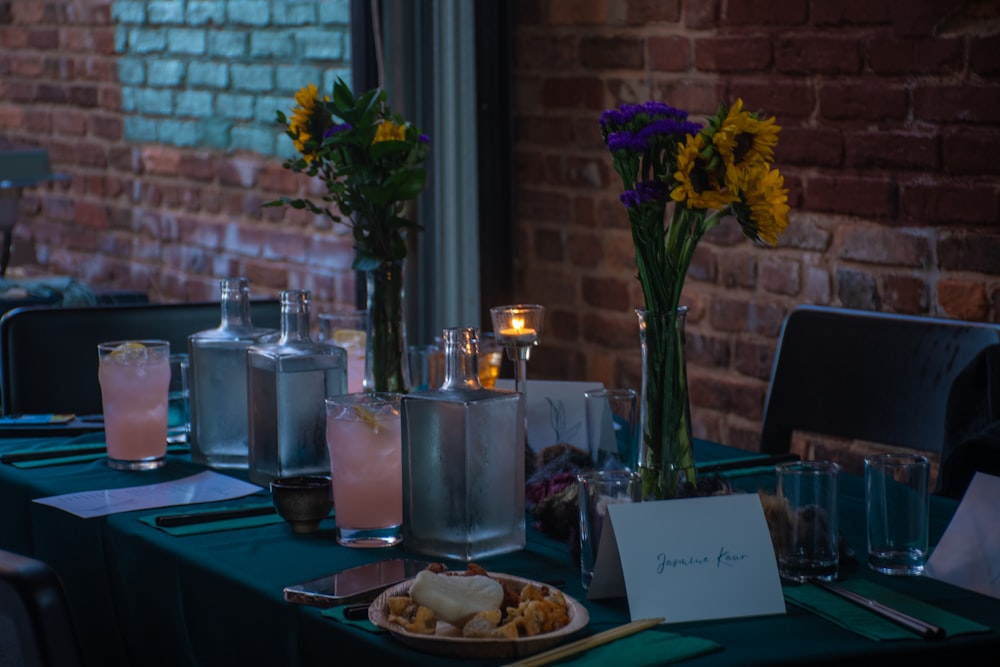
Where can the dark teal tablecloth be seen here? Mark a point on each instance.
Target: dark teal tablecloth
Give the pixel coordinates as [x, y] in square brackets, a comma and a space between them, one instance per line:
[144, 597]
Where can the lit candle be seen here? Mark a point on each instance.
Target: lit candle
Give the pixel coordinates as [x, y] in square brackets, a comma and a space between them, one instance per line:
[518, 333]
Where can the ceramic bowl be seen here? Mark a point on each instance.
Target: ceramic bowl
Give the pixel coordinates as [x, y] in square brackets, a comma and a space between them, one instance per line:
[302, 501]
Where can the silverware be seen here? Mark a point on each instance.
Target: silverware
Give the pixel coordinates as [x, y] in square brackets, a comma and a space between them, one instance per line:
[751, 462]
[174, 520]
[922, 628]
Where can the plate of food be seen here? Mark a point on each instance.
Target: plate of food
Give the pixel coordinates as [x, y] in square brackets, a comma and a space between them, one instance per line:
[477, 614]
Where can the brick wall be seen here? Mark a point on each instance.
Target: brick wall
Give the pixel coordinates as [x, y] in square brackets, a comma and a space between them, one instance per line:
[891, 117]
[891, 131]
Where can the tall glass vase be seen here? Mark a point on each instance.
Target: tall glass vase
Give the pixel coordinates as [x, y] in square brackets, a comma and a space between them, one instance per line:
[386, 368]
[666, 457]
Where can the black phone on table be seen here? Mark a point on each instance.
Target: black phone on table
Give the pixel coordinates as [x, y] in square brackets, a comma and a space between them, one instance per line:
[355, 584]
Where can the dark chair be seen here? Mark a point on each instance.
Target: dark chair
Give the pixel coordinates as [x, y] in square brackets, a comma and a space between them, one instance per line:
[48, 356]
[867, 376]
[35, 624]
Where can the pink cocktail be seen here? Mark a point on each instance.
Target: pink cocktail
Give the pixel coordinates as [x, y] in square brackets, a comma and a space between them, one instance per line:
[135, 377]
[366, 464]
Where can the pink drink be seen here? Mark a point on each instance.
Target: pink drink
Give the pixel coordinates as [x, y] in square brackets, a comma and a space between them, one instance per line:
[365, 443]
[135, 376]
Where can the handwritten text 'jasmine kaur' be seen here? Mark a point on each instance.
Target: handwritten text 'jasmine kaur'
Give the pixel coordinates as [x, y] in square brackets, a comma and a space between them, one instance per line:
[725, 558]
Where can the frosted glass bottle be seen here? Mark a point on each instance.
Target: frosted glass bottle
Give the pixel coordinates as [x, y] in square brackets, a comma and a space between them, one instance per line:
[463, 462]
[217, 373]
[289, 380]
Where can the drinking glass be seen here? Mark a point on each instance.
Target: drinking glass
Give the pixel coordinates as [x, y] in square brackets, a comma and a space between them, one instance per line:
[347, 329]
[810, 547]
[178, 406]
[134, 377]
[366, 465]
[897, 504]
[595, 491]
[612, 427]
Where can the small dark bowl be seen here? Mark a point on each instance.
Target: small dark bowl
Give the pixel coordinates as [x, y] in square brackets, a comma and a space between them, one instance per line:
[302, 501]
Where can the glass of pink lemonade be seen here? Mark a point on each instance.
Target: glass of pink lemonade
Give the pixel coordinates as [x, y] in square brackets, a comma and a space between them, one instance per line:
[134, 377]
[366, 465]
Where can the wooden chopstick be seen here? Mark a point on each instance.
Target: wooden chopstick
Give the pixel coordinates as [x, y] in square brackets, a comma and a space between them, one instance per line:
[749, 462]
[174, 520]
[911, 623]
[587, 643]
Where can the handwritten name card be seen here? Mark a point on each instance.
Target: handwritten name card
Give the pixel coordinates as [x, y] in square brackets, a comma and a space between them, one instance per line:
[689, 559]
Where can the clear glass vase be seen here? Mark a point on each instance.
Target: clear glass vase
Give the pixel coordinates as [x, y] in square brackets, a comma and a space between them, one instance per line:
[386, 368]
[666, 457]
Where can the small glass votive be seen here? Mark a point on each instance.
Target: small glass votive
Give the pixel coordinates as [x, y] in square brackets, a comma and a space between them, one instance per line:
[135, 377]
[595, 491]
[178, 406]
[809, 547]
[366, 463]
[612, 428]
[897, 506]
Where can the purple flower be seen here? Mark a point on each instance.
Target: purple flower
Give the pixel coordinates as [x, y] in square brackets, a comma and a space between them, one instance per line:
[424, 139]
[641, 127]
[335, 129]
[645, 191]
[613, 119]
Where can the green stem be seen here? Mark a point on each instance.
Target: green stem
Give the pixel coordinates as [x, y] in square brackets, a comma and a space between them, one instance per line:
[385, 355]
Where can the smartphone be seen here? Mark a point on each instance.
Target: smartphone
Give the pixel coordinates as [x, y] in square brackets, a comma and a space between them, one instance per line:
[354, 584]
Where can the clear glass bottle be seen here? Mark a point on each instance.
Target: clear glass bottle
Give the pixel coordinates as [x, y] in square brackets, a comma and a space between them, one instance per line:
[463, 462]
[289, 381]
[217, 376]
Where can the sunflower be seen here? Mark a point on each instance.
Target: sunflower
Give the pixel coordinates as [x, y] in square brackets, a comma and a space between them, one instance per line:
[744, 142]
[698, 184]
[389, 131]
[308, 123]
[763, 213]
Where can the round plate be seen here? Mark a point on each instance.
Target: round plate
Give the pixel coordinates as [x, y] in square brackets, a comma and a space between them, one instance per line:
[449, 642]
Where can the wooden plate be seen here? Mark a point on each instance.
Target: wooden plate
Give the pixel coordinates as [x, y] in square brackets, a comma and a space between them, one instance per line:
[449, 642]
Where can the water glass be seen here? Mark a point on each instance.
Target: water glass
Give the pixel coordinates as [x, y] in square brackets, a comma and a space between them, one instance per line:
[612, 427]
[808, 547]
[426, 366]
[897, 506]
[366, 465]
[347, 329]
[595, 491]
[178, 405]
[135, 376]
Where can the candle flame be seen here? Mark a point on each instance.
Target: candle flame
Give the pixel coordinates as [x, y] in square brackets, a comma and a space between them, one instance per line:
[517, 323]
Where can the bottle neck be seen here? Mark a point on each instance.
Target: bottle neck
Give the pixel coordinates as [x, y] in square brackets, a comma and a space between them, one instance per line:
[235, 302]
[294, 316]
[461, 359]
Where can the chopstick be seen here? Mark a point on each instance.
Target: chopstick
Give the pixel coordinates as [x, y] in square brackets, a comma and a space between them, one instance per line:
[751, 462]
[174, 520]
[587, 643]
[922, 628]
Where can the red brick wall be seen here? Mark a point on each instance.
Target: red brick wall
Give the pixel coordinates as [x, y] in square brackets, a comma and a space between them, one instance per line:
[891, 131]
[891, 117]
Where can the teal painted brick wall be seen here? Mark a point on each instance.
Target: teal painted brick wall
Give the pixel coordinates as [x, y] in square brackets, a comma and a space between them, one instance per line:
[212, 73]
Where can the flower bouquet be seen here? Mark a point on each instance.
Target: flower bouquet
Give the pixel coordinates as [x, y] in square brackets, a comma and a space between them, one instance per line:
[370, 160]
[700, 174]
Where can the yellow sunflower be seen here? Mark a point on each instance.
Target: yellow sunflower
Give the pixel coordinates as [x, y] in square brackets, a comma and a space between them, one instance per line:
[767, 199]
[389, 131]
[698, 187]
[306, 124]
[745, 142]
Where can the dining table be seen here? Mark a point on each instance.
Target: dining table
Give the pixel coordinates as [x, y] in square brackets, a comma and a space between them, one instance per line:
[140, 594]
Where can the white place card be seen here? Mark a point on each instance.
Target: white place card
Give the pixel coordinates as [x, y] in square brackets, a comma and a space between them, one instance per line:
[968, 554]
[556, 412]
[203, 487]
[689, 559]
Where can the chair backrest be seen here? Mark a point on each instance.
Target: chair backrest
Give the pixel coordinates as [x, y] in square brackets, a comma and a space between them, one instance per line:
[867, 376]
[35, 624]
[48, 356]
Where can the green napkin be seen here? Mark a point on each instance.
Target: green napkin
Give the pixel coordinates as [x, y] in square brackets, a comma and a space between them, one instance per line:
[869, 624]
[214, 526]
[648, 648]
[337, 614]
[84, 457]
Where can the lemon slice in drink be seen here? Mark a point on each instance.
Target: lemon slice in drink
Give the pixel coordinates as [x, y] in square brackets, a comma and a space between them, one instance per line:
[349, 338]
[127, 350]
[367, 416]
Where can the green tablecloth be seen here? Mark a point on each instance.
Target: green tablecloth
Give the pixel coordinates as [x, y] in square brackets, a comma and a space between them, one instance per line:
[144, 597]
